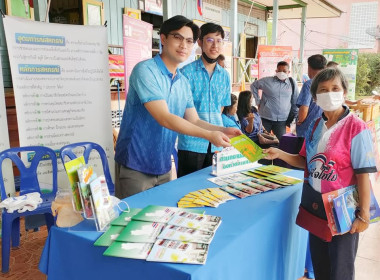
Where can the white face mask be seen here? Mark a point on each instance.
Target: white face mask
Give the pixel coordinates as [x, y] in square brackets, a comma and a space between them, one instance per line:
[281, 75]
[330, 101]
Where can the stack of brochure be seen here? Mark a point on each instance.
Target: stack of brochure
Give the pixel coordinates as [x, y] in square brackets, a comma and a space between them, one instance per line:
[162, 234]
[340, 206]
[255, 181]
[212, 197]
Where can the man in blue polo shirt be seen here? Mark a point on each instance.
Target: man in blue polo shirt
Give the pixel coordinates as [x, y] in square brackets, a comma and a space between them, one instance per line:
[278, 100]
[159, 104]
[211, 88]
[308, 109]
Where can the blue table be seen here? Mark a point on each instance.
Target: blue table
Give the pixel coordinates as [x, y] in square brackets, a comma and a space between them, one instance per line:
[258, 239]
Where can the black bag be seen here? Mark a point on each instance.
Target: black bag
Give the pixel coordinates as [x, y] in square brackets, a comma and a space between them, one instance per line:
[291, 115]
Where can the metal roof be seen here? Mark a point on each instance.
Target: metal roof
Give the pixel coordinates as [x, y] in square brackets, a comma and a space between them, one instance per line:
[292, 9]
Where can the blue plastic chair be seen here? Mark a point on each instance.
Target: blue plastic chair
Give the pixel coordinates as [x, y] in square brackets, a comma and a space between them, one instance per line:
[88, 147]
[28, 183]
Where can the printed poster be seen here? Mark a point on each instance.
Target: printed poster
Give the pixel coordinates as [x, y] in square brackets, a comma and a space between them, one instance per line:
[4, 139]
[269, 56]
[61, 85]
[116, 66]
[348, 61]
[137, 39]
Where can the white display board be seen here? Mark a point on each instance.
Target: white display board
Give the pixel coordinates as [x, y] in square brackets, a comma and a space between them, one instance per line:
[61, 85]
[4, 139]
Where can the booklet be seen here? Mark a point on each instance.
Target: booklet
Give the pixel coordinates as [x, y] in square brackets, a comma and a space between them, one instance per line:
[140, 232]
[71, 168]
[125, 217]
[345, 206]
[196, 221]
[257, 186]
[265, 183]
[86, 174]
[235, 192]
[129, 250]
[245, 188]
[186, 234]
[160, 214]
[284, 180]
[274, 169]
[109, 236]
[104, 212]
[178, 252]
[247, 147]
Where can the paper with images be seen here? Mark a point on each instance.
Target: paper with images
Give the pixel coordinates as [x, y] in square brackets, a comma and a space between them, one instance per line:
[60, 76]
[247, 147]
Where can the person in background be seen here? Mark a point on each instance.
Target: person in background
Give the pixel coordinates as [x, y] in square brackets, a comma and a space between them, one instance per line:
[308, 111]
[229, 116]
[159, 105]
[222, 61]
[248, 116]
[340, 144]
[210, 86]
[277, 105]
[332, 64]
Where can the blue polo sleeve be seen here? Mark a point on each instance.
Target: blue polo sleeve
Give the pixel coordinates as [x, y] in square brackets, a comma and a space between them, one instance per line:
[305, 98]
[362, 153]
[145, 84]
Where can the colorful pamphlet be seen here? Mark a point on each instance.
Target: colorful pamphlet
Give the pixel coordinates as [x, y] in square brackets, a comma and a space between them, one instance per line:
[129, 250]
[186, 234]
[247, 147]
[196, 221]
[160, 214]
[274, 169]
[235, 192]
[244, 188]
[284, 180]
[140, 232]
[125, 217]
[71, 168]
[104, 212]
[178, 252]
[109, 236]
[85, 175]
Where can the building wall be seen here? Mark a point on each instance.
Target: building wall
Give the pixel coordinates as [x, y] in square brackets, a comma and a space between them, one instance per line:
[327, 33]
[113, 13]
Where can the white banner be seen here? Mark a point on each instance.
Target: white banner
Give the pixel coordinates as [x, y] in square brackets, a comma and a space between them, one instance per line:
[61, 84]
[4, 140]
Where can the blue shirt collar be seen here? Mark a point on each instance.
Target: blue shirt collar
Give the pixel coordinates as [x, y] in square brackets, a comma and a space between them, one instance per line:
[286, 81]
[164, 70]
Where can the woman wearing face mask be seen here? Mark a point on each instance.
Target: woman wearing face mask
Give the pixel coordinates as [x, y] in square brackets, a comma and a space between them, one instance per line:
[229, 114]
[337, 153]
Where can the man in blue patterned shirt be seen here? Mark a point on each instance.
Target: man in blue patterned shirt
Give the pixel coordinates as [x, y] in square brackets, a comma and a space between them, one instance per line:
[159, 104]
[211, 88]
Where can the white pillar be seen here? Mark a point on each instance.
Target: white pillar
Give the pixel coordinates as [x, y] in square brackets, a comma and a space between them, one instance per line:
[167, 9]
[274, 23]
[234, 25]
[302, 39]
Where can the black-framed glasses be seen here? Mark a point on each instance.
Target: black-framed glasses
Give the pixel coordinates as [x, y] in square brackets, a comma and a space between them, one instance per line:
[179, 39]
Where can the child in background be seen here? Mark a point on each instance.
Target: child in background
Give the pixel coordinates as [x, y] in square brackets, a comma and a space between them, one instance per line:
[229, 114]
[249, 117]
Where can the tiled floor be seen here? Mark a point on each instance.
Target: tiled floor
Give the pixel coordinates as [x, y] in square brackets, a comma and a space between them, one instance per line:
[24, 260]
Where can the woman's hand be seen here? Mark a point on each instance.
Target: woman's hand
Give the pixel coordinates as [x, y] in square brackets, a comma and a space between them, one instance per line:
[271, 153]
[250, 117]
[360, 224]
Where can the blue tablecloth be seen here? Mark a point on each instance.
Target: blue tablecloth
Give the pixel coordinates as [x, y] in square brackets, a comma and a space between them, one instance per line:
[258, 239]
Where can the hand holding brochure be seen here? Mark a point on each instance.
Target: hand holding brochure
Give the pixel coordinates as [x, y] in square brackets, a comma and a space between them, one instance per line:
[247, 147]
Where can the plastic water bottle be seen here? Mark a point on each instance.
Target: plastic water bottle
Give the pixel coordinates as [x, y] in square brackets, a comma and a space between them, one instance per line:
[214, 163]
[293, 127]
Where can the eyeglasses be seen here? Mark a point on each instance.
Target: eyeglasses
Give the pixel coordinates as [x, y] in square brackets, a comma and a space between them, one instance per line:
[179, 39]
[217, 42]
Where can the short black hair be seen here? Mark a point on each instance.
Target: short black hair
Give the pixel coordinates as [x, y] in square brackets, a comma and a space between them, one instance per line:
[283, 63]
[327, 75]
[176, 23]
[317, 62]
[226, 109]
[210, 27]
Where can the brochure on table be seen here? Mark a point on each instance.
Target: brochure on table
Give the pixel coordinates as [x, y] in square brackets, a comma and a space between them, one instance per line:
[184, 237]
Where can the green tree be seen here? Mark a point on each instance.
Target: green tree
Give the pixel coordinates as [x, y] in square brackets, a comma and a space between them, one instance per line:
[368, 73]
